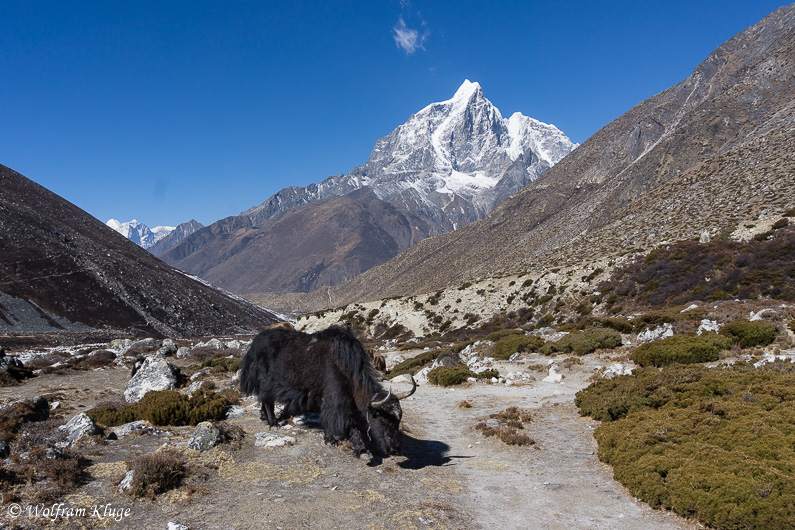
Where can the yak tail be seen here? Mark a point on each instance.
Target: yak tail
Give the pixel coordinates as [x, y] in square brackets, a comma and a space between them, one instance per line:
[249, 375]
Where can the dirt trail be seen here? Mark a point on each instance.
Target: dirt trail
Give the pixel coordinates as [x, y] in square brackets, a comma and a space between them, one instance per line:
[558, 482]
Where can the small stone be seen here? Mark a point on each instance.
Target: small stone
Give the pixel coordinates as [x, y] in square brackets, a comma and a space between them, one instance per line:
[126, 483]
[78, 426]
[205, 436]
[233, 411]
[272, 439]
[196, 385]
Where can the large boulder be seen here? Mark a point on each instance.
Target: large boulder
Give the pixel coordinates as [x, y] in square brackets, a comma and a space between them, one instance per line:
[154, 374]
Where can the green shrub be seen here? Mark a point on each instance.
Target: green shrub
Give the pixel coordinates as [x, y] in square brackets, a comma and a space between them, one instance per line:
[450, 375]
[497, 335]
[488, 374]
[415, 364]
[164, 407]
[111, 416]
[510, 344]
[584, 342]
[712, 444]
[622, 325]
[169, 407]
[748, 334]
[683, 349]
[223, 364]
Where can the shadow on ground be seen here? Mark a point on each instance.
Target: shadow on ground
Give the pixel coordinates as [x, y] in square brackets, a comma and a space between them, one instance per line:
[423, 453]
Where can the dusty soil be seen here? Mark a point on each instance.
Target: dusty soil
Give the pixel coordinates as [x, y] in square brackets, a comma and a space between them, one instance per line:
[450, 476]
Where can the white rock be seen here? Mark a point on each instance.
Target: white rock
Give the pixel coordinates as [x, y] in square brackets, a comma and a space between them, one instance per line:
[155, 374]
[660, 332]
[393, 360]
[554, 376]
[758, 316]
[689, 308]
[196, 385]
[141, 427]
[234, 412]
[403, 378]
[78, 426]
[272, 439]
[618, 369]
[205, 436]
[126, 483]
[421, 377]
[707, 325]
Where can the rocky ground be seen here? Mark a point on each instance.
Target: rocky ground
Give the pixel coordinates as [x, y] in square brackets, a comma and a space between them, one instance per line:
[450, 475]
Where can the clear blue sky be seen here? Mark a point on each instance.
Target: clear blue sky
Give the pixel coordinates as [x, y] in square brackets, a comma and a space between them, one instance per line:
[166, 111]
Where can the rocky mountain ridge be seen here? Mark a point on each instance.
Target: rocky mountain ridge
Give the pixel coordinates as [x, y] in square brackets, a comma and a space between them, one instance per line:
[447, 166]
[710, 154]
[61, 270]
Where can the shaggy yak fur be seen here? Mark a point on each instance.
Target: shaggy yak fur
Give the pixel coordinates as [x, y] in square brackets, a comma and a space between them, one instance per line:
[327, 372]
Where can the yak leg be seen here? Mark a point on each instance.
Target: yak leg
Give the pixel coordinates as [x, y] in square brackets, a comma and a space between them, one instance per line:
[338, 410]
[267, 413]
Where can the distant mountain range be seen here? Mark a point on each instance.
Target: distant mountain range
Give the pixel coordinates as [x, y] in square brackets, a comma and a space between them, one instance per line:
[158, 239]
[61, 270]
[712, 153]
[139, 233]
[447, 166]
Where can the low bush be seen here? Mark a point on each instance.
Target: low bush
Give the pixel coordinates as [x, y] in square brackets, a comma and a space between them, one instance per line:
[505, 426]
[689, 271]
[488, 374]
[748, 334]
[164, 407]
[415, 364]
[712, 444]
[513, 343]
[584, 342]
[497, 335]
[46, 475]
[450, 375]
[13, 416]
[223, 364]
[95, 359]
[683, 349]
[155, 474]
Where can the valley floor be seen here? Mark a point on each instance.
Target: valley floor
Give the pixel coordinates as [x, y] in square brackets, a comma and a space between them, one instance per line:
[450, 476]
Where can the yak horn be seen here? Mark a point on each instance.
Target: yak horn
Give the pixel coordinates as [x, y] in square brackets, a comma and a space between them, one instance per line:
[379, 404]
[410, 392]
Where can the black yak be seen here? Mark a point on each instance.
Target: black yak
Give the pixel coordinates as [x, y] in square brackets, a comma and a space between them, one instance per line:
[327, 372]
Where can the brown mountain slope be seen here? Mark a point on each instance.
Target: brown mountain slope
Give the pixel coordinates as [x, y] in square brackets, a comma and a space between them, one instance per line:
[63, 270]
[321, 243]
[705, 154]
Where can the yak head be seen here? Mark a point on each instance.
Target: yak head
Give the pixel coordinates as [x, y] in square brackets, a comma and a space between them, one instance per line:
[383, 422]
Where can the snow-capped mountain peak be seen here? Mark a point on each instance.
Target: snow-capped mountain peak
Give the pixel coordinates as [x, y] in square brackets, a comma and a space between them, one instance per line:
[139, 233]
[453, 161]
